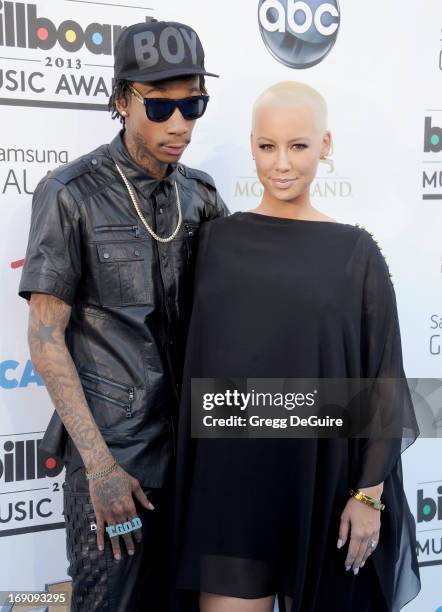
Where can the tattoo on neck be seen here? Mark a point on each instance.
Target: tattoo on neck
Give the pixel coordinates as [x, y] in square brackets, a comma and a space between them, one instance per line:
[141, 155]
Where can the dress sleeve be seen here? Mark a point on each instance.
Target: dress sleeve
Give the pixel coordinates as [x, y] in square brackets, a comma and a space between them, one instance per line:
[53, 257]
[392, 424]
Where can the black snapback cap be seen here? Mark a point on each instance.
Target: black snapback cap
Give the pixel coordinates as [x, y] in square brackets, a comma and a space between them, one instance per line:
[157, 50]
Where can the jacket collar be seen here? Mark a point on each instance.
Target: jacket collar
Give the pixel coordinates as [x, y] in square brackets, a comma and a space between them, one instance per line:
[137, 176]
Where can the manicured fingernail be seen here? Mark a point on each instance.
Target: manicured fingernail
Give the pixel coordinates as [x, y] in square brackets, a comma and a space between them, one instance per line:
[101, 548]
[356, 570]
[340, 543]
[363, 563]
[347, 567]
[151, 506]
[117, 557]
[130, 552]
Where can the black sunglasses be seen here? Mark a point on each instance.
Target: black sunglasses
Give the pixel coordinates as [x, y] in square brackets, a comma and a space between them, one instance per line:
[161, 109]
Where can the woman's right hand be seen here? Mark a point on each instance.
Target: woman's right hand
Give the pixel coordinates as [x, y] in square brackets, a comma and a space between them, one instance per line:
[363, 524]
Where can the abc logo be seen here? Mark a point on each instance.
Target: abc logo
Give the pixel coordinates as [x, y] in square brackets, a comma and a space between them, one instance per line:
[298, 34]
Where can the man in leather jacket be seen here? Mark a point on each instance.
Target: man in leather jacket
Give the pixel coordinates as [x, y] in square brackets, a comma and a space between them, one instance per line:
[108, 272]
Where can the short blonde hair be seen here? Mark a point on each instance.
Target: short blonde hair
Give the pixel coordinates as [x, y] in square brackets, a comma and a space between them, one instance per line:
[294, 93]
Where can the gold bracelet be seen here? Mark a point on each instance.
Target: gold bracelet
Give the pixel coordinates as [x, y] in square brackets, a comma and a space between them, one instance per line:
[108, 470]
[366, 499]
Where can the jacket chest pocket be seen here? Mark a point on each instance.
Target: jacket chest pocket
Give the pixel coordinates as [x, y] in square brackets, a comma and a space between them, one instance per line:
[124, 273]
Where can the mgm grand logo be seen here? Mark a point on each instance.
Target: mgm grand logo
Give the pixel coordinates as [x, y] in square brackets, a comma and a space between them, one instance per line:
[327, 184]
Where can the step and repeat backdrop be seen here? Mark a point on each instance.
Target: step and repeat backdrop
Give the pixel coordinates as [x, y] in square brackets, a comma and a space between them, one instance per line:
[379, 66]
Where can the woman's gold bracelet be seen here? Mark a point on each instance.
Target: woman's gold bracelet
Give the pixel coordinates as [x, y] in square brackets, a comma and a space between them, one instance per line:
[108, 470]
[366, 499]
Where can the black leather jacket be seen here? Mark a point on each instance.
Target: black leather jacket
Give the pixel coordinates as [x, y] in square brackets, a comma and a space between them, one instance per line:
[130, 295]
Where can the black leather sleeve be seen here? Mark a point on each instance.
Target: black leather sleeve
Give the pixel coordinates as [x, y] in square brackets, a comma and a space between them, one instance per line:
[53, 257]
[221, 206]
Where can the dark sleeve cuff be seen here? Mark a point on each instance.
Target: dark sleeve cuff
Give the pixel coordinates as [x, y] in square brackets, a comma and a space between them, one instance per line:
[43, 283]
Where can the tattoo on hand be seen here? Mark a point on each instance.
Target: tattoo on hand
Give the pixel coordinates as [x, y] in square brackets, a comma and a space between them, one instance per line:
[112, 488]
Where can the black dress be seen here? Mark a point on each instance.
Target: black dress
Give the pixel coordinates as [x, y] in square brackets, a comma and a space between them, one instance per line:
[291, 298]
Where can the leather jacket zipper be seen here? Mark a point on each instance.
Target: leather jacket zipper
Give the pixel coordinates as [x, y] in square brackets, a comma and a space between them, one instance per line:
[190, 229]
[127, 407]
[129, 390]
[165, 326]
[100, 378]
[118, 228]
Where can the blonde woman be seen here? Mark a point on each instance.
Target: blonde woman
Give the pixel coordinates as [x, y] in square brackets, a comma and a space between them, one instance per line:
[286, 291]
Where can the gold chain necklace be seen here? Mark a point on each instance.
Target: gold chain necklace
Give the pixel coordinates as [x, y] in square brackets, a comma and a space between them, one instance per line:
[137, 208]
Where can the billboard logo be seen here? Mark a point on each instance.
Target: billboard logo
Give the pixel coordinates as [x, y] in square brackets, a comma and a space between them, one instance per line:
[23, 460]
[432, 177]
[20, 27]
[299, 34]
[427, 507]
[30, 492]
[432, 137]
[429, 521]
[68, 64]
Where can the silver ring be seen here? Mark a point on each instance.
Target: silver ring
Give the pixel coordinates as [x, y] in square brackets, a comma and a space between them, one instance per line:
[372, 543]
